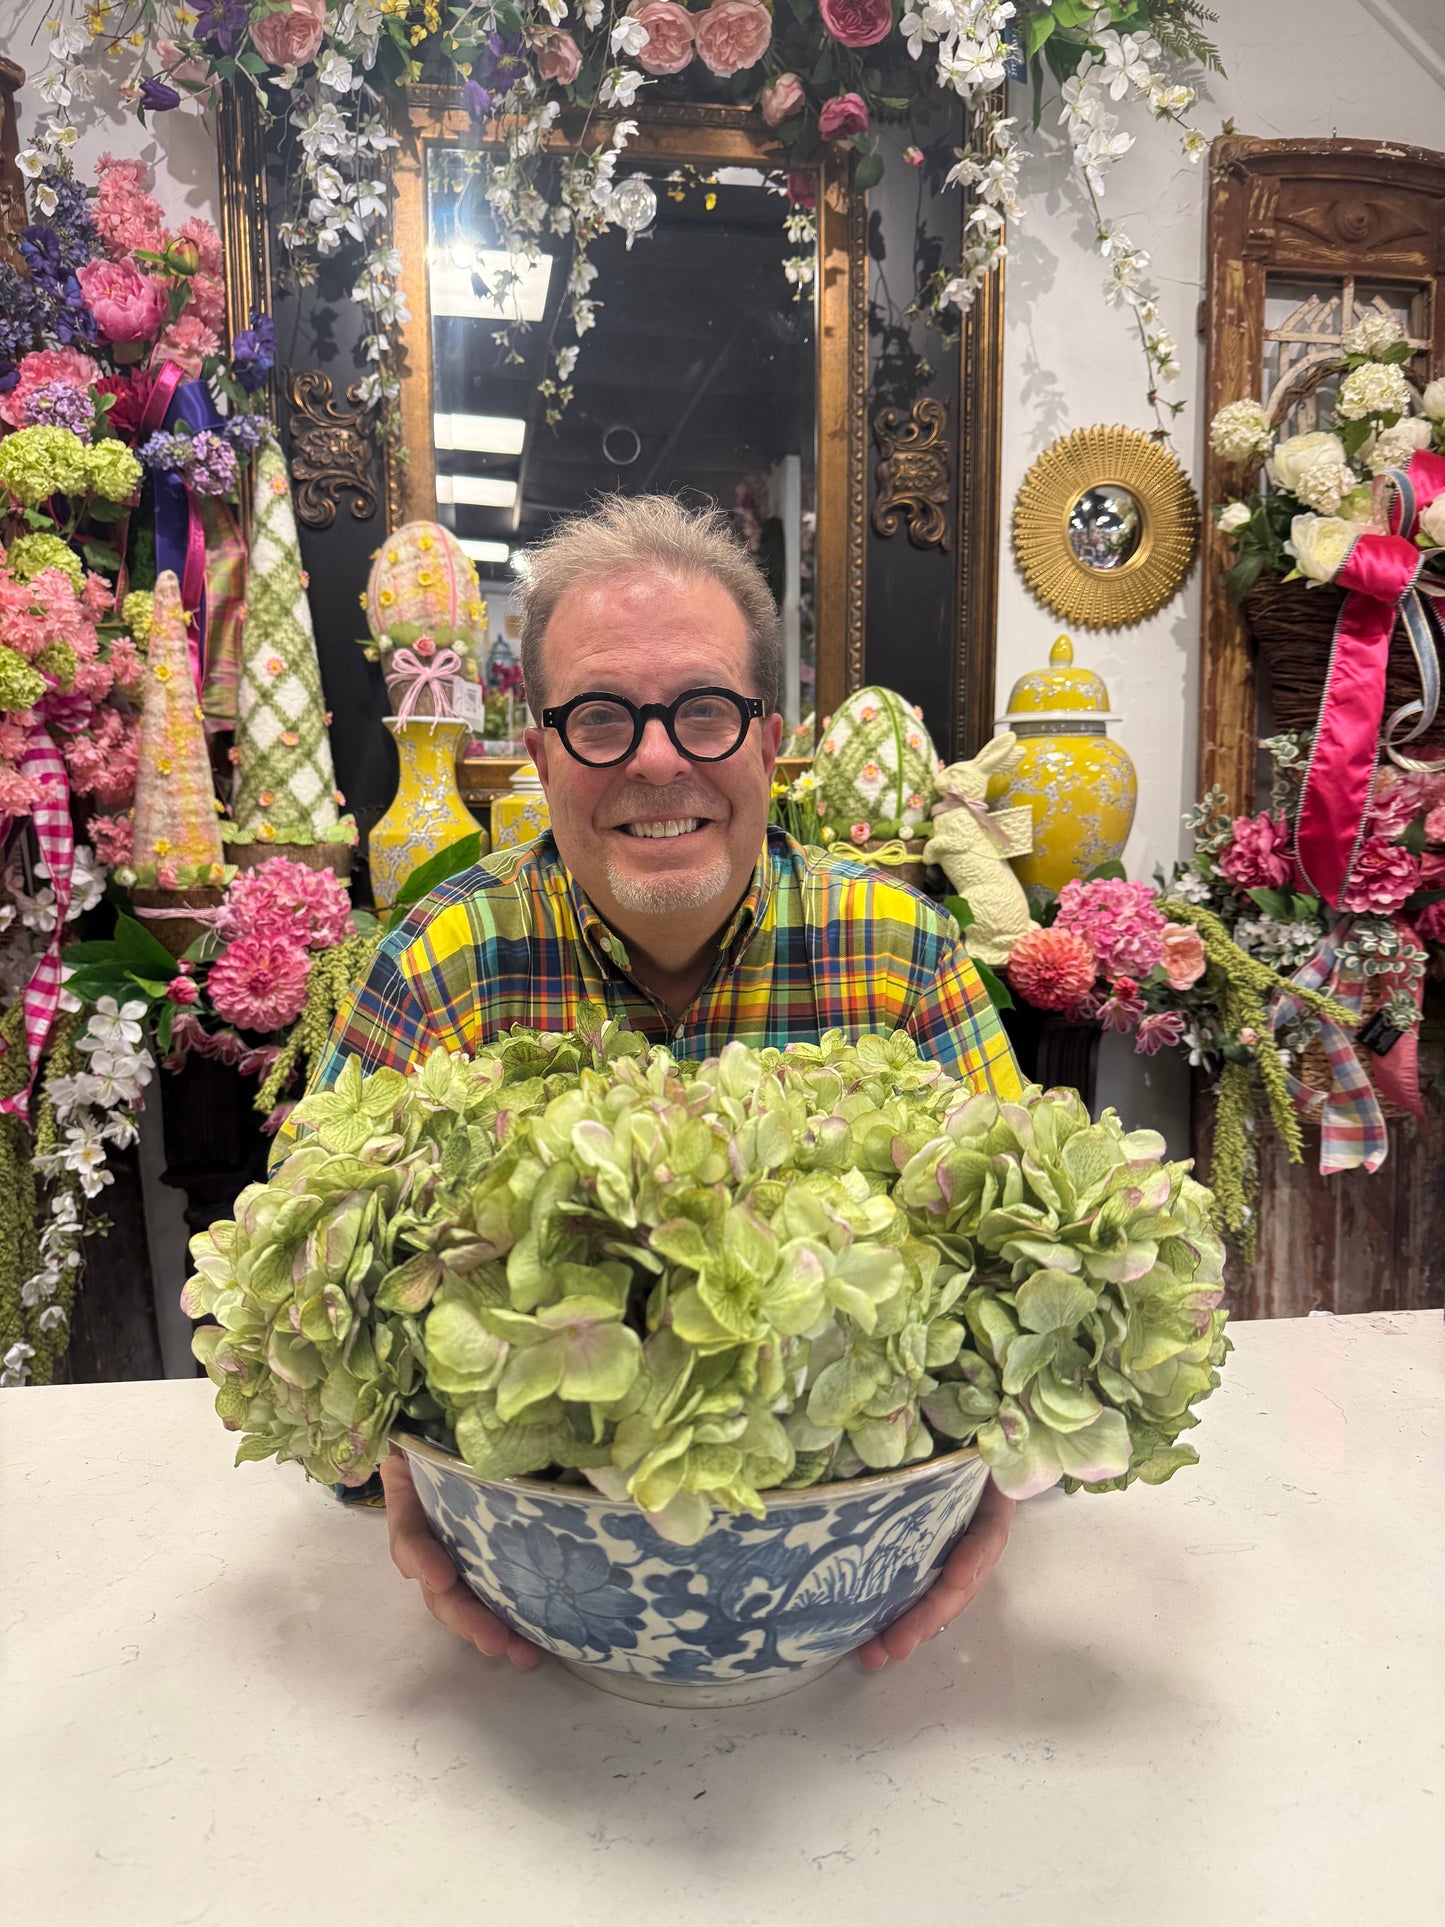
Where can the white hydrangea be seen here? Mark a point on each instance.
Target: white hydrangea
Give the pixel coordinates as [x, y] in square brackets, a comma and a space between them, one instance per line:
[1393, 447]
[1372, 334]
[1324, 483]
[1241, 432]
[1378, 388]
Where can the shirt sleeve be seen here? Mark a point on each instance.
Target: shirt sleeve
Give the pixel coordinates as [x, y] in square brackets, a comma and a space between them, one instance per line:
[956, 1025]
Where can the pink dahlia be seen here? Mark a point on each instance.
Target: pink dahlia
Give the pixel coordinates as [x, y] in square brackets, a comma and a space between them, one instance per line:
[290, 902]
[1258, 855]
[1382, 877]
[1052, 969]
[259, 983]
[1121, 922]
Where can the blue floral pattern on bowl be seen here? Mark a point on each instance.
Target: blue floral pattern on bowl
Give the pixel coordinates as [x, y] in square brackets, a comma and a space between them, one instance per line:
[756, 1607]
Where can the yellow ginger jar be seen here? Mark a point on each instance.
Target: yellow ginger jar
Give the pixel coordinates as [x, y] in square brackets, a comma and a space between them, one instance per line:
[427, 813]
[519, 813]
[1080, 785]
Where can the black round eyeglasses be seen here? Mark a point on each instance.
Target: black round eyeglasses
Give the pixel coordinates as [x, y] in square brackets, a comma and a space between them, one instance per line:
[705, 725]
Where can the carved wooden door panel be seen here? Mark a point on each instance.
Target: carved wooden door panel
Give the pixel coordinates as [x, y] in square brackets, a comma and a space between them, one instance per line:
[1303, 237]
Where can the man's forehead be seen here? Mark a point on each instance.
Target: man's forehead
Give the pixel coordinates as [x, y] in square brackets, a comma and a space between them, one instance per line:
[647, 623]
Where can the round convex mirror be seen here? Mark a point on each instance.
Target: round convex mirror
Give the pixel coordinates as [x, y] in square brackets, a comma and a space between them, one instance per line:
[1105, 527]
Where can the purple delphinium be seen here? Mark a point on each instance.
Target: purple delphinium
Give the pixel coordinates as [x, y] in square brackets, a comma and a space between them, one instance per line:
[220, 23]
[158, 96]
[253, 352]
[56, 404]
[24, 312]
[213, 464]
[40, 251]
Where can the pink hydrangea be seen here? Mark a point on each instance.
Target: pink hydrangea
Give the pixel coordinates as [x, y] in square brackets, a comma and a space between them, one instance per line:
[285, 900]
[1382, 877]
[1121, 922]
[1052, 969]
[1258, 855]
[39, 370]
[259, 983]
[113, 838]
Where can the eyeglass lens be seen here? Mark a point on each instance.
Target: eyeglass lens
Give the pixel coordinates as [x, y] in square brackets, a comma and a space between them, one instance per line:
[708, 727]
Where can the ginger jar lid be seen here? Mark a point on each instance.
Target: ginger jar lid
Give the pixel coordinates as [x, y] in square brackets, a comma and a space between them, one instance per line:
[525, 781]
[1059, 694]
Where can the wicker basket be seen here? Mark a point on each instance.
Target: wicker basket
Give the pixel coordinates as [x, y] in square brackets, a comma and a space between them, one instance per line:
[336, 857]
[160, 912]
[1293, 626]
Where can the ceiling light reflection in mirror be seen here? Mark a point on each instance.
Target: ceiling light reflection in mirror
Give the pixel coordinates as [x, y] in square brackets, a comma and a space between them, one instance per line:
[698, 377]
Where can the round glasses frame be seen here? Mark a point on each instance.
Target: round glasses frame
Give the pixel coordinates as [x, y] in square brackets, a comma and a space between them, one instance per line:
[748, 707]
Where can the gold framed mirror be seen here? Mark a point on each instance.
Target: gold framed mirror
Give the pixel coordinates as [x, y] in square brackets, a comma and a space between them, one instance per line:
[700, 375]
[1105, 527]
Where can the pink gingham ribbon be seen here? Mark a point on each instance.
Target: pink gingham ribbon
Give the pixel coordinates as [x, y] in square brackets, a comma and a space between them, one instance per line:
[1352, 1125]
[415, 674]
[57, 846]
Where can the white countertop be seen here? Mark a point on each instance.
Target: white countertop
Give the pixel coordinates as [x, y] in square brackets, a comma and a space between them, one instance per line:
[1217, 1701]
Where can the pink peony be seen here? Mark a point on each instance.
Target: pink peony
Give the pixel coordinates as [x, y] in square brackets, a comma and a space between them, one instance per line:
[47, 365]
[1430, 924]
[1382, 877]
[1160, 1031]
[559, 58]
[292, 38]
[781, 99]
[732, 35]
[113, 838]
[1181, 951]
[1258, 856]
[259, 983]
[1121, 921]
[1399, 797]
[285, 900]
[127, 305]
[669, 36]
[843, 117]
[1435, 825]
[857, 23]
[1052, 969]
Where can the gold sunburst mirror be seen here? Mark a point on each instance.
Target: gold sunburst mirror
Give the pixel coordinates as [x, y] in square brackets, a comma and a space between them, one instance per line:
[1106, 527]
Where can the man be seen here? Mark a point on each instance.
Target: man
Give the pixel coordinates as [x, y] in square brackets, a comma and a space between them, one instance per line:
[651, 659]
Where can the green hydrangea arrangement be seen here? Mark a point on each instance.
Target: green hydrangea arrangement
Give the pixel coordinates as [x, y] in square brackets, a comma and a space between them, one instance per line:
[689, 1284]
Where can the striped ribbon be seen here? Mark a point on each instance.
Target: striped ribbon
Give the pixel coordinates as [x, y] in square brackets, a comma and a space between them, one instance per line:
[1352, 1125]
[56, 838]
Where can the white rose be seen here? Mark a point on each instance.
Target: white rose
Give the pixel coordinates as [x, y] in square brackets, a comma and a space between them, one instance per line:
[1240, 431]
[1234, 517]
[1432, 522]
[1371, 335]
[1324, 483]
[1379, 388]
[1433, 400]
[1294, 456]
[1320, 543]
[1393, 447]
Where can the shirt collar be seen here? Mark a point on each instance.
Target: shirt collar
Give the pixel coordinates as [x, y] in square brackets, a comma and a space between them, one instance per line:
[610, 951]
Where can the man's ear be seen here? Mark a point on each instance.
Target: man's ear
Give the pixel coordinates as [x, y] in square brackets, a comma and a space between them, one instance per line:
[771, 731]
[536, 741]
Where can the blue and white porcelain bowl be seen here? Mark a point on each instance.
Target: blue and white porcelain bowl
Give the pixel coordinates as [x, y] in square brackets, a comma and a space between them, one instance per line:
[755, 1608]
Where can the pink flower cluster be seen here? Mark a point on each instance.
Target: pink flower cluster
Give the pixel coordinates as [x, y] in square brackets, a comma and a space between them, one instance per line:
[1258, 855]
[1382, 876]
[188, 1033]
[259, 983]
[285, 900]
[1053, 969]
[42, 369]
[128, 298]
[1120, 921]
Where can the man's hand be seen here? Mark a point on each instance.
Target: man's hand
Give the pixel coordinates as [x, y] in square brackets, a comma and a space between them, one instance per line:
[416, 1554]
[957, 1586]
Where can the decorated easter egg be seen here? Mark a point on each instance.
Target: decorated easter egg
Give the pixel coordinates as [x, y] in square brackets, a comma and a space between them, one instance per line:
[876, 765]
[423, 581]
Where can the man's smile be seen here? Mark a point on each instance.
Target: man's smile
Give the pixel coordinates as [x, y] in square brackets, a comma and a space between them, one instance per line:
[671, 826]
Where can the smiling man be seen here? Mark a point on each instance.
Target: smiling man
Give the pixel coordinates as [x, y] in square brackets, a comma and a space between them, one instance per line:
[651, 657]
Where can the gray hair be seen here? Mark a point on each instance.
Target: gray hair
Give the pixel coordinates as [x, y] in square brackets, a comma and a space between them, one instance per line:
[630, 534]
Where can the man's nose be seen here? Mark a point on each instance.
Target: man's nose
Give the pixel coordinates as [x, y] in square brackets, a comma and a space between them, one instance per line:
[657, 759]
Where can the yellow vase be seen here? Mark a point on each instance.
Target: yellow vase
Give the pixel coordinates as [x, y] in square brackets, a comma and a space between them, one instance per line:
[1081, 787]
[427, 813]
[519, 814]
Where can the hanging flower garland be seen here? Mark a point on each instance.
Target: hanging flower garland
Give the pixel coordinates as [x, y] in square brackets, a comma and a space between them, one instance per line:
[819, 76]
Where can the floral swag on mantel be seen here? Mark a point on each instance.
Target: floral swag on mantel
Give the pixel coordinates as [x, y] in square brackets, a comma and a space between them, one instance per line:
[819, 74]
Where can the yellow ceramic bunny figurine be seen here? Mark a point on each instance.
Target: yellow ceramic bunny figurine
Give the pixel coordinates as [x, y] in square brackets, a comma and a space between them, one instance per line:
[973, 845]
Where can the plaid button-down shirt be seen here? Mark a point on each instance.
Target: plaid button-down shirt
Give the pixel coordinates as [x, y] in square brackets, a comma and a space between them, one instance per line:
[819, 942]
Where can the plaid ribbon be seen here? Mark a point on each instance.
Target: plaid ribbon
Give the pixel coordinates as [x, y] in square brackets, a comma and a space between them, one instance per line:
[53, 832]
[1352, 1125]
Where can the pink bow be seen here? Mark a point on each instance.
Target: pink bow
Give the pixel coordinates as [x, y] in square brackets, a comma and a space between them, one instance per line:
[416, 675]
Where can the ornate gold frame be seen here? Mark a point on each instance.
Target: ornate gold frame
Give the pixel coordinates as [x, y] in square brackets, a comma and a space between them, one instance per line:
[711, 137]
[1168, 544]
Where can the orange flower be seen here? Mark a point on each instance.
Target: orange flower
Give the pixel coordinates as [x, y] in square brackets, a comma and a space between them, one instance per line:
[274, 665]
[290, 738]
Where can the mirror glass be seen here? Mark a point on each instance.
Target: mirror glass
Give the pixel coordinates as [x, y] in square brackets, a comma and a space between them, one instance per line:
[1105, 527]
[698, 377]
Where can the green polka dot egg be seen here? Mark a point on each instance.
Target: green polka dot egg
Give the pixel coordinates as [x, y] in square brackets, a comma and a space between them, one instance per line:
[422, 581]
[876, 764]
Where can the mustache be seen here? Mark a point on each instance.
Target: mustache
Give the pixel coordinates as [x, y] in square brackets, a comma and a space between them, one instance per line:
[679, 801]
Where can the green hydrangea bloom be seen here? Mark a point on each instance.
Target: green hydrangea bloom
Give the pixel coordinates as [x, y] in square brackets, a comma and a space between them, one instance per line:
[36, 463]
[114, 472]
[58, 659]
[31, 553]
[20, 685]
[136, 612]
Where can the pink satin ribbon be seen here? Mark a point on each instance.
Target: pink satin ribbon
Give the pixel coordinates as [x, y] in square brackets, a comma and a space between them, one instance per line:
[1379, 572]
[414, 674]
